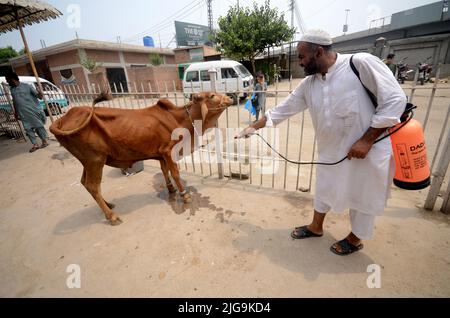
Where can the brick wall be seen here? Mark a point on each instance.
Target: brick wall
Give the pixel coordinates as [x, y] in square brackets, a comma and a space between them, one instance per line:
[99, 79]
[155, 76]
[182, 56]
[64, 58]
[169, 59]
[103, 56]
[207, 50]
[136, 58]
[22, 70]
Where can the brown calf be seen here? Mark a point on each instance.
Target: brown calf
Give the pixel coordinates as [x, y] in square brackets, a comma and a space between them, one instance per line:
[121, 137]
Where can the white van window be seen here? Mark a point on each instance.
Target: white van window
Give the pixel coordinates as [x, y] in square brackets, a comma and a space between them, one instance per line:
[204, 75]
[229, 73]
[45, 86]
[243, 71]
[48, 87]
[192, 76]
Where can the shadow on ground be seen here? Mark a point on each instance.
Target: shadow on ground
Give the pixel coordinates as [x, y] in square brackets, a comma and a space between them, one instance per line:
[93, 214]
[311, 256]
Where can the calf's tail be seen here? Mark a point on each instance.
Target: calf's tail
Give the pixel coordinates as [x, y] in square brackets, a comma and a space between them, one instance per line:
[55, 128]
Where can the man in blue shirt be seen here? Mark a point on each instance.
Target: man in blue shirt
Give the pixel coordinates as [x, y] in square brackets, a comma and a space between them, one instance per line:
[26, 108]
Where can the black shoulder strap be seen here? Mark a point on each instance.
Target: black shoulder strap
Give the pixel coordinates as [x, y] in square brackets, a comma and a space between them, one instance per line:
[372, 97]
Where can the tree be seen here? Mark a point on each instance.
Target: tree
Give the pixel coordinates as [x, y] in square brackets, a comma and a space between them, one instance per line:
[90, 64]
[6, 53]
[245, 33]
[155, 59]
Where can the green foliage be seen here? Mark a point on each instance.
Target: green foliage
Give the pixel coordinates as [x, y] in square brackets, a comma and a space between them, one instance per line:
[156, 59]
[6, 53]
[244, 33]
[89, 64]
[272, 72]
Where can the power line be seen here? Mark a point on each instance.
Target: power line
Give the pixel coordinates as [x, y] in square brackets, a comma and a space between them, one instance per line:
[321, 9]
[166, 19]
[192, 4]
[187, 13]
[168, 24]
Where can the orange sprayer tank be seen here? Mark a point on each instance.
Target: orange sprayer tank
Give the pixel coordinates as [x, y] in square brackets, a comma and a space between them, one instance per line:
[412, 171]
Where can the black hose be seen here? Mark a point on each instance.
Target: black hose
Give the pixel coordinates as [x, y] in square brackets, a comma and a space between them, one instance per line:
[337, 162]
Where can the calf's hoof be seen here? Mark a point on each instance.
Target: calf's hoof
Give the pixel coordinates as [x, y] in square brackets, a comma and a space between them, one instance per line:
[116, 221]
[171, 188]
[187, 198]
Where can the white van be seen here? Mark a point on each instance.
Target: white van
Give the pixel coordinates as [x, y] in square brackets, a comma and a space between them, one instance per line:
[231, 77]
[55, 97]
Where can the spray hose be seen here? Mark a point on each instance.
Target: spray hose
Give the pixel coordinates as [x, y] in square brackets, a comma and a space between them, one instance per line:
[408, 114]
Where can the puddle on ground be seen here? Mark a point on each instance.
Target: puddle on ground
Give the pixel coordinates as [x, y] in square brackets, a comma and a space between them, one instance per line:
[61, 156]
[198, 200]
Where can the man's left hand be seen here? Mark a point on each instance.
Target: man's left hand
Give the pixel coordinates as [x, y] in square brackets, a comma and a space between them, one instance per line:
[360, 149]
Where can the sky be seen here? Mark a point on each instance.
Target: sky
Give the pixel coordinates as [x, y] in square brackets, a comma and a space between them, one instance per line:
[106, 20]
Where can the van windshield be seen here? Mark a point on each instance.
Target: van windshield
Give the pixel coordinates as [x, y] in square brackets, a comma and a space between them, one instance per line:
[242, 70]
[45, 86]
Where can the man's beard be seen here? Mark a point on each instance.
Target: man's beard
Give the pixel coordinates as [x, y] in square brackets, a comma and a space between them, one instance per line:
[312, 68]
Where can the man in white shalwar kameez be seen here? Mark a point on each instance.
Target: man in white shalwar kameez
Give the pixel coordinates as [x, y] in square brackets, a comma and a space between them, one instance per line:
[346, 123]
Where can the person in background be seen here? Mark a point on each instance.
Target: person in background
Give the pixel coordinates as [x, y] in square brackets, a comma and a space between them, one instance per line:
[390, 63]
[260, 89]
[26, 109]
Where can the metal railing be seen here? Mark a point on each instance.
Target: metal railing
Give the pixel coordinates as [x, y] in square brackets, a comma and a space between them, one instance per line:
[9, 125]
[295, 137]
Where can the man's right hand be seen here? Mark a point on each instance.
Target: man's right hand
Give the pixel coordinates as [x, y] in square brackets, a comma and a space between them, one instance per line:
[245, 133]
[252, 129]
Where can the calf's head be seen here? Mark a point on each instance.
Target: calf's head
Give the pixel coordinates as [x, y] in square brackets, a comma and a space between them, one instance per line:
[210, 106]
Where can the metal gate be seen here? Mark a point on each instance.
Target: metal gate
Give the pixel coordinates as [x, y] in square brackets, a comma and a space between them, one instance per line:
[294, 138]
[9, 125]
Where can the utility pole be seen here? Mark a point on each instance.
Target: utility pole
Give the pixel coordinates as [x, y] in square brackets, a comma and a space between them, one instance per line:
[210, 16]
[345, 29]
[292, 4]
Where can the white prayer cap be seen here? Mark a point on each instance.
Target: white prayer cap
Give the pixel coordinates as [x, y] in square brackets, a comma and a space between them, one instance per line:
[316, 36]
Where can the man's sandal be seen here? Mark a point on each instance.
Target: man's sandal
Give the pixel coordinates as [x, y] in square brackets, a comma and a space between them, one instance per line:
[347, 248]
[35, 147]
[302, 232]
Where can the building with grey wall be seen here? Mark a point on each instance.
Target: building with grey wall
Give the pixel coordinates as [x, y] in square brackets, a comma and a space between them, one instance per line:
[414, 34]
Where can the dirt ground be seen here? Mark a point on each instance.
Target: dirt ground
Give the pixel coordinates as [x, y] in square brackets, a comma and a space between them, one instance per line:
[233, 240]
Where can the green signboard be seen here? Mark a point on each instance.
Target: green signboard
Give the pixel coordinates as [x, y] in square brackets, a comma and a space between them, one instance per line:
[190, 34]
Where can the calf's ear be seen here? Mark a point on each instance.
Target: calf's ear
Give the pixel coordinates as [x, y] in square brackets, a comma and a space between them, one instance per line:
[204, 109]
